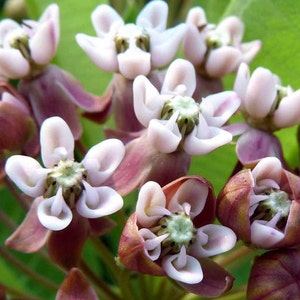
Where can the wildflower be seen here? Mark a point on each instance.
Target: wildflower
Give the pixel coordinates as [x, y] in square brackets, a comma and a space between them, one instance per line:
[262, 205]
[171, 233]
[66, 192]
[267, 106]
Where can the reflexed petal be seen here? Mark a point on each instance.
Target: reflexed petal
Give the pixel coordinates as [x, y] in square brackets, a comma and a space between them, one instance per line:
[164, 45]
[190, 273]
[195, 144]
[134, 62]
[102, 160]
[102, 52]
[197, 17]
[54, 213]
[57, 141]
[261, 93]
[218, 108]
[12, 64]
[147, 100]
[154, 15]
[104, 18]
[164, 135]
[180, 78]
[96, 202]
[52, 13]
[192, 192]
[234, 27]
[222, 61]
[27, 174]
[249, 50]
[264, 236]
[288, 112]
[151, 204]
[42, 45]
[219, 239]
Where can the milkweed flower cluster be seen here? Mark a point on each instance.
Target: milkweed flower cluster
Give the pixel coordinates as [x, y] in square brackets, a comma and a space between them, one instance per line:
[130, 216]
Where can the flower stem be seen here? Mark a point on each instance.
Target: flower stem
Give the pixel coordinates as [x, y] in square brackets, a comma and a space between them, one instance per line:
[15, 293]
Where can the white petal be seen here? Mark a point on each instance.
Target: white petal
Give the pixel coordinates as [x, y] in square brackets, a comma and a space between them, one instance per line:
[27, 174]
[102, 160]
[191, 273]
[192, 192]
[6, 26]
[218, 108]
[218, 239]
[102, 52]
[232, 26]
[196, 16]
[264, 236]
[164, 135]
[164, 45]
[98, 202]
[146, 100]
[54, 213]
[151, 204]
[154, 15]
[134, 62]
[261, 93]
[104, 17]
[249, 50]
[180, 78]
[57, 141]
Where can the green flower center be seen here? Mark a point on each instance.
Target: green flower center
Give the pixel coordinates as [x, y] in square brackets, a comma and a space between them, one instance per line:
[277, 202]
[188, 113]
[68, 175]
[181, 231]
[20, 40]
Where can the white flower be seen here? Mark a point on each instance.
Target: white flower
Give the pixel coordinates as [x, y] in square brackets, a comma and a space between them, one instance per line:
[64, 183]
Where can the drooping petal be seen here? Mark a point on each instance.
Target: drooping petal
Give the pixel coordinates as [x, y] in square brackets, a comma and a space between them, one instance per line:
[54, 213]
[151, 204]
[96, 202]
[190, 272]
[27, 174]
[261, 93]
[180, 79]
[146, 100]
[219, 240]
[102, 160]
[57, 141]
[153, 16]
[76, 287]
[31, 235]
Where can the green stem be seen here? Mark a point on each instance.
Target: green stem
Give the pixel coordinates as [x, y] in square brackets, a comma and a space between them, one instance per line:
[15, 293]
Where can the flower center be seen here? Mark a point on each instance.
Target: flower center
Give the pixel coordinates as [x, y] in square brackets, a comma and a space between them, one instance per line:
[68, 175]
[187, 110]
[131, 35]
[181, 231]
[277, 205]
[19, 40]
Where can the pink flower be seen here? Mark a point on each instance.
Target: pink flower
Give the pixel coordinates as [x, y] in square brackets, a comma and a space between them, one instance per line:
[171, 233]
[216, 50]
[27, 48]
[262, 205]
[132, 49]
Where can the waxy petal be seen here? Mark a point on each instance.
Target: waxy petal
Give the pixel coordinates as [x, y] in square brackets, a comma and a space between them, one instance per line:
[180, 79]
[98, 202]
[27, 174]
[249, 50]
[57, 141]
[102, 160]
[234, 27]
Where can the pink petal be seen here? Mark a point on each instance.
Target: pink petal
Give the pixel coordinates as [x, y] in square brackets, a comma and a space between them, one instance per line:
[151, 204]
[160, 131]
[6, 26]
[180, 78]
[30, 236]
[153, 16]
[261, 93]
[27, 174]
[197, 17]
[98, 202]
[288, 112]
[134, 62]
[57, 141]
[249, 50]
[104, 19]
[232, 26]
[222, 61]
[102, 160]
[190, 273]
[192, 192]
